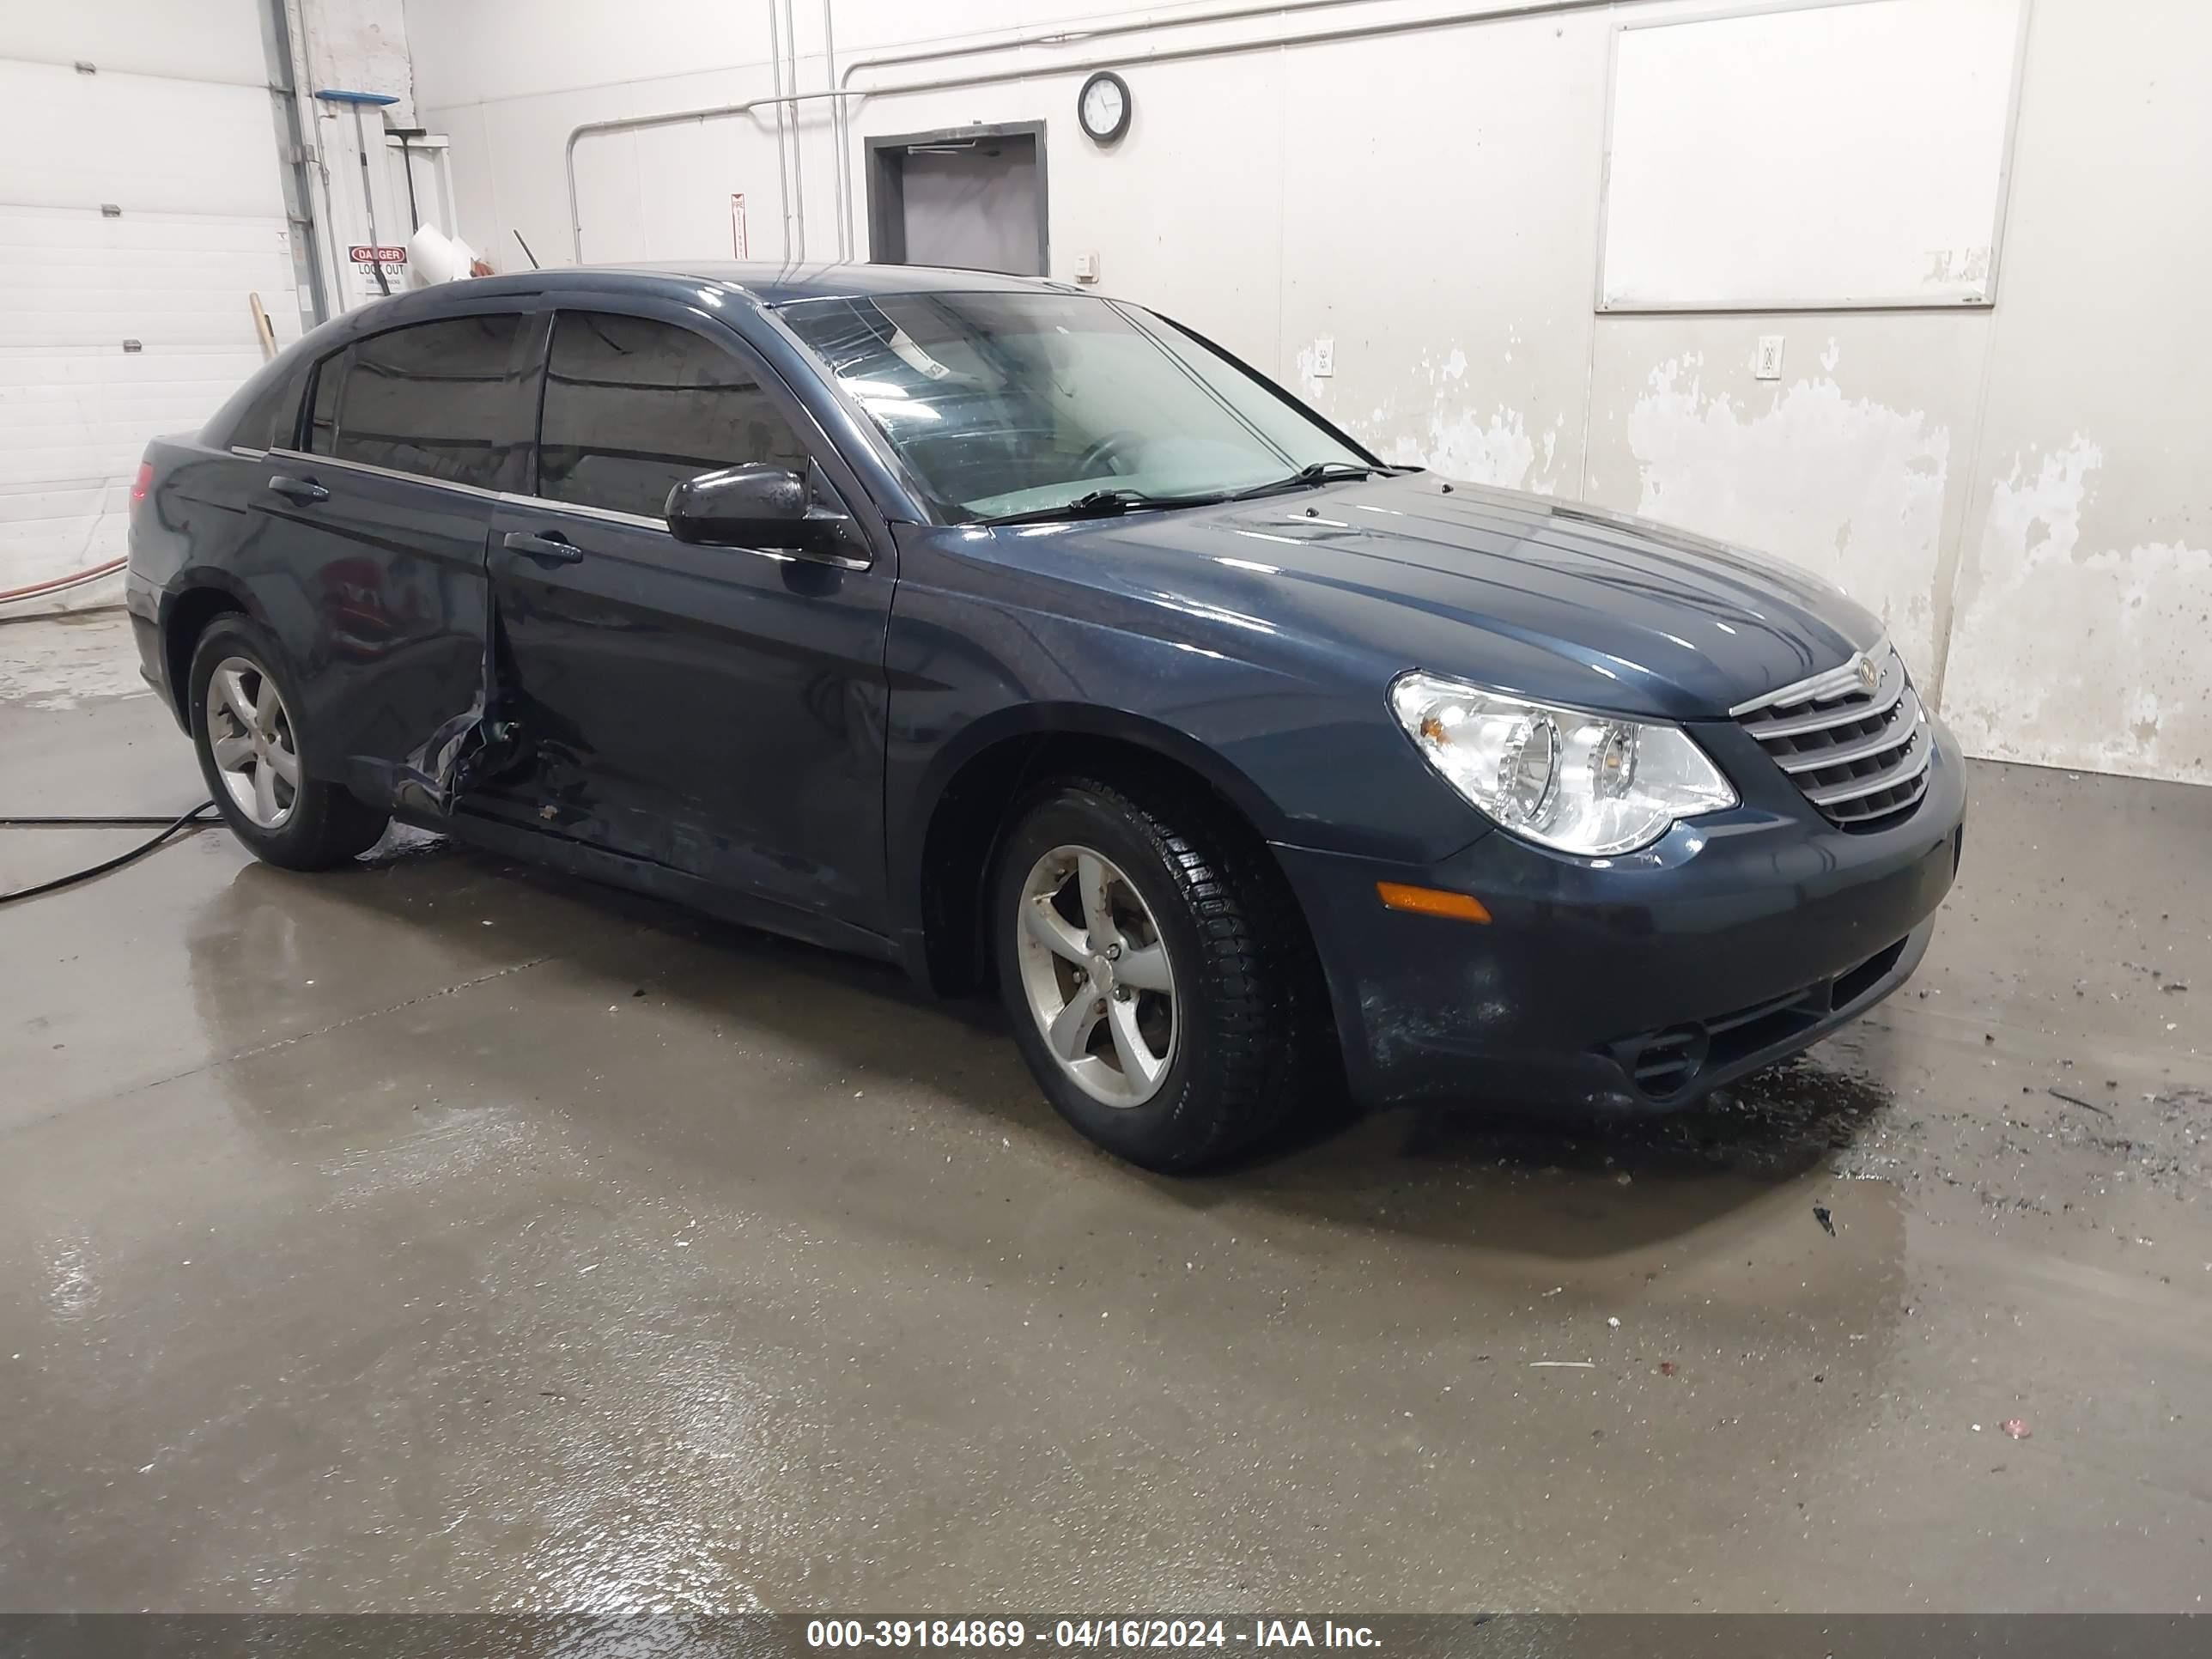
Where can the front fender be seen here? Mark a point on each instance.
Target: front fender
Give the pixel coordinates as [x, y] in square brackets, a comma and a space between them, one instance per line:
[1018, 720]
[1302, 744]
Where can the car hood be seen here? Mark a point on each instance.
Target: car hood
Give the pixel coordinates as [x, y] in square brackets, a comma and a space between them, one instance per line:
[1547, 599]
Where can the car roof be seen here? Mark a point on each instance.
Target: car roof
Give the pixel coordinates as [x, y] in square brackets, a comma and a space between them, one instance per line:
[761, 282]
[774, 284]
[692, 287]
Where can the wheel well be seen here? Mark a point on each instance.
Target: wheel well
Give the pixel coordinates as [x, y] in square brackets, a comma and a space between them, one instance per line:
[188, 620]
[979, 805]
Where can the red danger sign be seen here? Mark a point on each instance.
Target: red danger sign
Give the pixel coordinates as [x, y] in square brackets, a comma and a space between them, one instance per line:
[363, 254]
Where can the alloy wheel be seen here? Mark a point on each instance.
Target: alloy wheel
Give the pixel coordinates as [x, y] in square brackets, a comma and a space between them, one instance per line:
[250, 736]
[1095, 974]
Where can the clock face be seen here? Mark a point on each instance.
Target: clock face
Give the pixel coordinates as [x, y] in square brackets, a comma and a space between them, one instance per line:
[1104, 107]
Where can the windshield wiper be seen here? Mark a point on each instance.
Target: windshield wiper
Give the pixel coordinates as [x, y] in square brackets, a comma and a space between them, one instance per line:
[1102, 504]
[1306, 477]
[1112, 503]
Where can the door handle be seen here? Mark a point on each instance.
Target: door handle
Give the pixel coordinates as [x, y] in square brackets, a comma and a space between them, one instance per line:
[305, 491]
[543, 547]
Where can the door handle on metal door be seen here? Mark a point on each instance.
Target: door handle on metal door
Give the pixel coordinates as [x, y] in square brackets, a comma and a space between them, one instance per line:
[305, 491]
[543, 547]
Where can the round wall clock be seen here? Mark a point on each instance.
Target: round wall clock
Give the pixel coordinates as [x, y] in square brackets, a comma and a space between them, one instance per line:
[1104, 107]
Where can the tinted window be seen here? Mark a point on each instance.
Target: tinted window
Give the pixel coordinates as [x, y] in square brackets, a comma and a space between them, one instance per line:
[436, 399]
[271, 420]
[323, 426]
[633, 407]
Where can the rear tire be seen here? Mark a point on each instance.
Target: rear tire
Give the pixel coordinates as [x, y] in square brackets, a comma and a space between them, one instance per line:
[1179, 873]
[253, 754]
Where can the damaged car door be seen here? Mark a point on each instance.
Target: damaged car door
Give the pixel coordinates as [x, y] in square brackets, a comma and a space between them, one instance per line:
[717, 710]
[413, 433]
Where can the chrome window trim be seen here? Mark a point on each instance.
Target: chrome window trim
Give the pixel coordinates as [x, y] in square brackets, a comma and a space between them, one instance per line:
[637, 521]
[546, 503]
[583, 509]
[249, 454]
[1837, 682]
[373, 470]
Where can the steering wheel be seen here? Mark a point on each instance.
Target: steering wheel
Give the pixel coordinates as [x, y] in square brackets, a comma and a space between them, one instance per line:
[1101, 456]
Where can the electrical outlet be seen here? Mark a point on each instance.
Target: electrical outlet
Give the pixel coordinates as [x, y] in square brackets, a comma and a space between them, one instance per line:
[1768, 364]
[1324, 357]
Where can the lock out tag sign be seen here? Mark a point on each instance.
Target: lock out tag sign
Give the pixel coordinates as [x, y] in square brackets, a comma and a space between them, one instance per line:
[368, 256]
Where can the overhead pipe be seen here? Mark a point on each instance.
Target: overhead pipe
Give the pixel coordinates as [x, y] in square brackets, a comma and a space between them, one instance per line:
[842, 118]
[836, 126]
[674, 117]
[782, 163]
[1051, 37]
[844, 91]
[798, 145]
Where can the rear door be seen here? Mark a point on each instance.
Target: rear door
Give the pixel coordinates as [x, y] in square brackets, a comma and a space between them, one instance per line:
[376, 543]
[719, 710]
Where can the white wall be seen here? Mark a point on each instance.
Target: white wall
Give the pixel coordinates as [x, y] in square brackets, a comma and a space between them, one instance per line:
[2021, 491]
[172, 123]
[168, 124]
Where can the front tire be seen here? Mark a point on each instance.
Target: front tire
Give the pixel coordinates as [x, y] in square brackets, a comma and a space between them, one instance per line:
[1153, 970]
[246, 732]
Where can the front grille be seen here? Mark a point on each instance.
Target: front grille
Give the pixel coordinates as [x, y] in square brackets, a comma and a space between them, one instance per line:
[1860, 755]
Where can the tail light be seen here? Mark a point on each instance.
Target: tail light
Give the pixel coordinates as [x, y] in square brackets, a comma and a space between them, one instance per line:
[143, 485]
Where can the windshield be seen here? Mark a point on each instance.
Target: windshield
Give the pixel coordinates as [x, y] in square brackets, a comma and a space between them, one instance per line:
[1002, 404]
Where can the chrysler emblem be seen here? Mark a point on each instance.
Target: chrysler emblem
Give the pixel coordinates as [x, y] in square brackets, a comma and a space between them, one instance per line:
[1869, 676]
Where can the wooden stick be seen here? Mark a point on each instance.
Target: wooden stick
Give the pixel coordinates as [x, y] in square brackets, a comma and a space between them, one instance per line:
[263, 330]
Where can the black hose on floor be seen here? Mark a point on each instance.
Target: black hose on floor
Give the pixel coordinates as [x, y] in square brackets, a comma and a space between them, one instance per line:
[92, 821]
[170, 827]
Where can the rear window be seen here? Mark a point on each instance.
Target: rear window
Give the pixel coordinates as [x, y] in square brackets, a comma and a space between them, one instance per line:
[439, 400]
[270, 417]
[323, 420]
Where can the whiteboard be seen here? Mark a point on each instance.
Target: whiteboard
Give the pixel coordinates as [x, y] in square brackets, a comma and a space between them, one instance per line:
[1809, 157]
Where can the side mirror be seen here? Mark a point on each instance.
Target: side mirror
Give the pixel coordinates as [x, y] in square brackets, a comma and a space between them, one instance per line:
[755, 505]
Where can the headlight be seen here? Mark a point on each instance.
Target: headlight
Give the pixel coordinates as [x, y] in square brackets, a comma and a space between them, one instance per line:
[1584, 783]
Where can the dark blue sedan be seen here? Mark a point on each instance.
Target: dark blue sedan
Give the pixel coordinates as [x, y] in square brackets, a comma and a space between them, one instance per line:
[1020, 635]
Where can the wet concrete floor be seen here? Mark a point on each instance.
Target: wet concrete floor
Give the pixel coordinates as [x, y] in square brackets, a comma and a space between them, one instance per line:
[442, 1235]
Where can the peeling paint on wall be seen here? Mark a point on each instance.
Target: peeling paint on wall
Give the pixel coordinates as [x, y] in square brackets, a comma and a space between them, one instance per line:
[2062, 647]
[1498, 451]
[1440, 423]
[1844, 486]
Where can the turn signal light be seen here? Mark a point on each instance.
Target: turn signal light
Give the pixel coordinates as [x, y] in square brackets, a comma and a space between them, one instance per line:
[1432, 901]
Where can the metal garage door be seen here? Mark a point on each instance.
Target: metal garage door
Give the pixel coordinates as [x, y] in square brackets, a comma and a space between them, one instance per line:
[141, 203]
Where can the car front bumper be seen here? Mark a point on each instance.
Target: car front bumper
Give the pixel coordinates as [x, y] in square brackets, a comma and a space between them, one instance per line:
[1638, 983]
